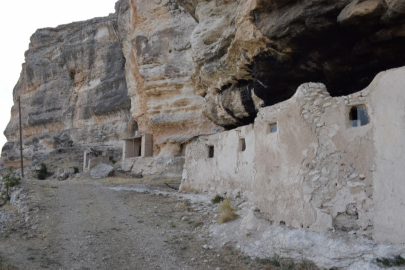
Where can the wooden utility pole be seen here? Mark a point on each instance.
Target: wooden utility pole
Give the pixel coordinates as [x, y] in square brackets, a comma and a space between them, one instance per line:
[21, 145]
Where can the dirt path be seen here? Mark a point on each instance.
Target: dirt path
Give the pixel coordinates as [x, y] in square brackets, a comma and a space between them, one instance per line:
[114, 224]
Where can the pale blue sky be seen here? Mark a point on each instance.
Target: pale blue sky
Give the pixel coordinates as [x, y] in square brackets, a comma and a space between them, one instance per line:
[18, 21]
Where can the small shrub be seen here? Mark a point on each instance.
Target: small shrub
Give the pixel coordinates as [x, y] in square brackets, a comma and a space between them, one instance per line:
[42, 172]
[384, 261]
[112, 160]
[226, 211]
[5, 264]
[276, 262]
[307, 265]
[75, 170]
[397, 261]
[217, 199]
[9, 182]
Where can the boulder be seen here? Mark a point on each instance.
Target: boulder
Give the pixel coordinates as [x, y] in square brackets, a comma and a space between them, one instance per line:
[63, 176]
[102, 171]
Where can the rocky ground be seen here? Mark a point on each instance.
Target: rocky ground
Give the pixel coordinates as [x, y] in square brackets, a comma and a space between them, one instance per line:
[113, 224]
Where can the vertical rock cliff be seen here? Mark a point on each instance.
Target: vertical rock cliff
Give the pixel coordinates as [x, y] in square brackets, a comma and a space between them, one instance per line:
[73, 91]
[155, 37]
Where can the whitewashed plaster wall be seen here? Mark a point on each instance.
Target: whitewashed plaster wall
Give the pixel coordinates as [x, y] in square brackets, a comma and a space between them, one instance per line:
[229, 171]
[317, 171]
[388, 99]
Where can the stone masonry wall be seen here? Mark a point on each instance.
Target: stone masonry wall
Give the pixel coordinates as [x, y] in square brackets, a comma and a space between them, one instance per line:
[317, 171]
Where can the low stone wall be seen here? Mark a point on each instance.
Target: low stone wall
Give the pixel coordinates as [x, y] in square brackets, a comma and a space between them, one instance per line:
[316, 171]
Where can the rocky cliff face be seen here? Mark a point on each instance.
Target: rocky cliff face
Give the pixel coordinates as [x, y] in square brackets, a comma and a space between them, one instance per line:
[255, 53]
[73, 91]
[181, 68]
[155, 37]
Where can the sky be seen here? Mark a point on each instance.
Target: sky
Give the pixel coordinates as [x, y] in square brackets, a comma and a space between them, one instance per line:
[18, 21]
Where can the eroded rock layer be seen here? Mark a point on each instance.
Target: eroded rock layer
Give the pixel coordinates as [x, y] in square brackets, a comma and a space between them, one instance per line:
[73, 91]
[255, 53]
[155, 37]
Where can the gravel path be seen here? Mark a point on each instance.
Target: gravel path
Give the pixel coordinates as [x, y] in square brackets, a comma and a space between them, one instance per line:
[112, 224]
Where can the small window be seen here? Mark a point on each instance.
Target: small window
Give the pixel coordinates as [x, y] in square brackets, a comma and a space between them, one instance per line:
[182, 149]
[358, 116]
[242, 145]
[272, 128]
[210, 151]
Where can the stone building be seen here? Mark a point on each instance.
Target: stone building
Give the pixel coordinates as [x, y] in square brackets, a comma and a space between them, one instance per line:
[315, 161]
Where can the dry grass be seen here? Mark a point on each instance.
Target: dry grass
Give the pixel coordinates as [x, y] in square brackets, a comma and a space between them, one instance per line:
[226, 211]
[5, 265]
[186, 188]
[277, 263]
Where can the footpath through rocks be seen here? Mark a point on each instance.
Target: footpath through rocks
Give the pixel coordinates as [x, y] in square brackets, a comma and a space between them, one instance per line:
[111, 224]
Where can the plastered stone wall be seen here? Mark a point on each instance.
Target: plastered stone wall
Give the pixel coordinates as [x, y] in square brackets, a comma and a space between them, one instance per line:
[317, 171]
[388, 99]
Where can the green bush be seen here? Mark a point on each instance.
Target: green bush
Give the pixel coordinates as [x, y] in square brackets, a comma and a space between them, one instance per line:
[75, 170]
[396, 261]
[42, 172]
[112, 160]
[217, 199]
[9, 182]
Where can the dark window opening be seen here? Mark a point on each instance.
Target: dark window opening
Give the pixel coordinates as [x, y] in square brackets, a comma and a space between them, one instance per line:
[182, 149]
[242, 144]
[272, 128]
[210, 151]
[358, 116]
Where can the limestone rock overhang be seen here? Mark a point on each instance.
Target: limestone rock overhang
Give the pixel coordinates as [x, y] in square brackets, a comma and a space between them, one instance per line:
[275, 46]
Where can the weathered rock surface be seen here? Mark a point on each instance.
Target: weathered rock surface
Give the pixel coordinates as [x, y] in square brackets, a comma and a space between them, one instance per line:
[73, 91]
[155, 37]
[250, 54]
[102, 171]
[180, 68]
